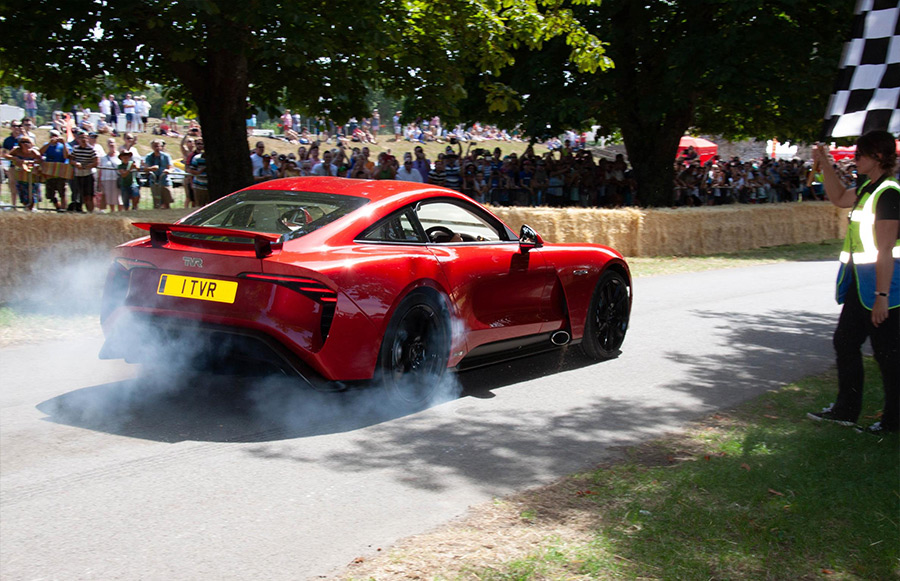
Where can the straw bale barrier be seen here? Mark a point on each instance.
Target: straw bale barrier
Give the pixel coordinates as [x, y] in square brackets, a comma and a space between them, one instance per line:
[617, 228]
[46, 241]
[35, 245]
[685, 231]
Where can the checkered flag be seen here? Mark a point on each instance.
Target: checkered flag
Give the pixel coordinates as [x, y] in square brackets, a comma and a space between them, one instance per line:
[867, 92]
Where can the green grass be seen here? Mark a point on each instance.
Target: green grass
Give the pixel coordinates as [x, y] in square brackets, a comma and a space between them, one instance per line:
[657, 265]
[760, 492]
[21, 324]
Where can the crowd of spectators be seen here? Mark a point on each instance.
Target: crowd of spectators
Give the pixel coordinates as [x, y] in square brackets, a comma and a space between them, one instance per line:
[299, 131]
[426, 130]
[757, 181]
[556, 178]
[95, 170]
[131, 113]
[107, 174]
[569, 175]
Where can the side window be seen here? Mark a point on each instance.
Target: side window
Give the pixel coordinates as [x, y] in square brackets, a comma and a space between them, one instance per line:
[446, 222]
[395, 228]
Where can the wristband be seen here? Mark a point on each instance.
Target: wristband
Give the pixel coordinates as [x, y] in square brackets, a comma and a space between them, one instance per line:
[880, 294]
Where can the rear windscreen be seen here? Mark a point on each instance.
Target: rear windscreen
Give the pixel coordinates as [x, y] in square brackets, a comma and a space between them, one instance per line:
[291, 214]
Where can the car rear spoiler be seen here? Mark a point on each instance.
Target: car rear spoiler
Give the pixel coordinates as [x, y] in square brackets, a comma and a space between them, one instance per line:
[264, 243]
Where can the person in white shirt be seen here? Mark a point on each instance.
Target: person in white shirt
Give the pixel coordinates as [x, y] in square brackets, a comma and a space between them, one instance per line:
[108, 181]
[325, 168]
[128, 107]
[106, 108]
[142, 109]
[256, 158]
[99, 152]
[407, 173]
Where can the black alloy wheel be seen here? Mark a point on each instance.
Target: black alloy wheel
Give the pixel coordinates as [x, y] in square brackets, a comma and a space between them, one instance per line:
[415, 350]
[607, 319]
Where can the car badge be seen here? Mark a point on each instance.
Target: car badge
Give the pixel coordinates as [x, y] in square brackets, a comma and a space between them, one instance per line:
[192, 261]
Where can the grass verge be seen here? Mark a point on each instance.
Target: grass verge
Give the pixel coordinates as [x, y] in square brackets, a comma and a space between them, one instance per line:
[659, 265]
[21, 326]
[757, 492]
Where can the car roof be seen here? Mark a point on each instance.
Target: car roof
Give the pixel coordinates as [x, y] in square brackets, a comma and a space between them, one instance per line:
[374, 190]
[385, 196]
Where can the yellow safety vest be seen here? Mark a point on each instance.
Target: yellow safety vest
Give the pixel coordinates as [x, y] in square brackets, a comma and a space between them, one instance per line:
[861, 251]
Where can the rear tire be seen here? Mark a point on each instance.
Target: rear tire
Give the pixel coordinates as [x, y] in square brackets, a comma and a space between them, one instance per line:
[415, 350]
[607, 318]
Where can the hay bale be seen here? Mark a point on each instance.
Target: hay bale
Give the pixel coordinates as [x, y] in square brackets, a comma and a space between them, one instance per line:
[617, 228]
[698, 231]
[38, 242]
[684, 231]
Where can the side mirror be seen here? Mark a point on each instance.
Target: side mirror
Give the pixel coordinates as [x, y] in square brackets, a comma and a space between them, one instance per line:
[529, 239]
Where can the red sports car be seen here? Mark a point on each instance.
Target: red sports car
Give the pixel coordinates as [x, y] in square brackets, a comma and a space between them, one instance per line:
[341, 281]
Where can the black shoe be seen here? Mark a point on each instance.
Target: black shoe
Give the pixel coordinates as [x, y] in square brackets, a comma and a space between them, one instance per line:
[828, 415]
[875, 429]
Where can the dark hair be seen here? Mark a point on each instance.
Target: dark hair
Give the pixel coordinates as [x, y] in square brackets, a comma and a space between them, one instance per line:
[879, 145]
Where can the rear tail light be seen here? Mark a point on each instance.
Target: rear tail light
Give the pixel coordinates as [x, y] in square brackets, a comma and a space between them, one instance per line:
[131, 263]
[306, 286]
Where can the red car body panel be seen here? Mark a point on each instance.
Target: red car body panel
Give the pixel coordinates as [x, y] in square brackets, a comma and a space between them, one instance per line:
[494, 290]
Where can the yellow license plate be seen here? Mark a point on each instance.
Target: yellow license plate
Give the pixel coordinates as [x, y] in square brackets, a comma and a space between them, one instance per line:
[204, 289]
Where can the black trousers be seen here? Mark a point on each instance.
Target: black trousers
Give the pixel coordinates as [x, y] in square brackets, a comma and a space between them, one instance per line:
[83, 188]
[854, 326]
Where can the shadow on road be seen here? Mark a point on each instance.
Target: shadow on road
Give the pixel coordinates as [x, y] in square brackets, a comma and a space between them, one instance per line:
[762, 351]
[755, 354]
[252, 409]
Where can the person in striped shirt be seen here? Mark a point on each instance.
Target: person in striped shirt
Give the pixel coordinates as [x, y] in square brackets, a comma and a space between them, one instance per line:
[84, 157]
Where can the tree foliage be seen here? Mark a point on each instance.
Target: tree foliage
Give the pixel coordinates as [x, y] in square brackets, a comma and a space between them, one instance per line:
[754, 68]
[317, 57]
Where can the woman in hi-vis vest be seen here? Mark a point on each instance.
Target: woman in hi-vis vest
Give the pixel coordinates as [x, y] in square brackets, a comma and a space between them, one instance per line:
[868, 283]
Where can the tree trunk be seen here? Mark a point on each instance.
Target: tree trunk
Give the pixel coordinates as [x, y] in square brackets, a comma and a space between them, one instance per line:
[652, 157]
[652, 145]
[652, 120]
[222, 108]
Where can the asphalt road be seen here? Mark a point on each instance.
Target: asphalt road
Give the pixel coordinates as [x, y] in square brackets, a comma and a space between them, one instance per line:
[107, 474]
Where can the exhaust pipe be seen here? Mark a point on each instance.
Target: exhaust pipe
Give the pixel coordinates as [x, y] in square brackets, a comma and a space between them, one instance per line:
[560, 338]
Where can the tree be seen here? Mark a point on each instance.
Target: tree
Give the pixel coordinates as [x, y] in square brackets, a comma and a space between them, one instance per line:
[318, 58]
[754, 68]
